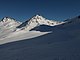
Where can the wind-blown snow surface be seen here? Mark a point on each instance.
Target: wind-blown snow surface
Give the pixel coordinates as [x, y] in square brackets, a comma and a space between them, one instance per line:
[62, 44]
[20, 35]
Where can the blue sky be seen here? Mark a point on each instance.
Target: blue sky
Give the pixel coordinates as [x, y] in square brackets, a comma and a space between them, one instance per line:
[52, 9]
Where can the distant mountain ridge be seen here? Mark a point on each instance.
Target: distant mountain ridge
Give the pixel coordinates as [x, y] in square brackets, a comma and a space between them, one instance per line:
[36, 21]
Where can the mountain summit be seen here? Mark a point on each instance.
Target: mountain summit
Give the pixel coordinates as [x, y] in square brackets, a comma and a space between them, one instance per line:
[37, 20]
[9, 23]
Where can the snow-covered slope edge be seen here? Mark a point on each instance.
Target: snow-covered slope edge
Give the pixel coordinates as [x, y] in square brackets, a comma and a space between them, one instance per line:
[21, 35]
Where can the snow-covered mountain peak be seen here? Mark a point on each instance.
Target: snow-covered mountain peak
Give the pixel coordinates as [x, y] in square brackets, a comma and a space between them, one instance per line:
[36, 21]
[9, 23]
[7, 19]
[38, 17]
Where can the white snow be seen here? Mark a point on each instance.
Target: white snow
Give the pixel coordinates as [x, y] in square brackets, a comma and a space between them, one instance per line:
[20, 35]
[9, 23]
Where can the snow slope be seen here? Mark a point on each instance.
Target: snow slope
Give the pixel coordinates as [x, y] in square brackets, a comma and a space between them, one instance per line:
[21, 35]
[62, 44]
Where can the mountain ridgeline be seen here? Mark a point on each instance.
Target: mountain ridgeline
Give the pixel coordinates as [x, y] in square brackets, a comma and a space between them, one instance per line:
[33, 22]
[40, 39]
[37, 22]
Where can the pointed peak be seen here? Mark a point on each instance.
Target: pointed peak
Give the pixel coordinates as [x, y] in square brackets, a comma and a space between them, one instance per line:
[6, 19]
[38, 16]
